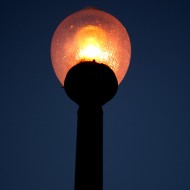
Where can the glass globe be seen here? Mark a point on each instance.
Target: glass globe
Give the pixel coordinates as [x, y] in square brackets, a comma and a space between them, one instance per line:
[90, 35]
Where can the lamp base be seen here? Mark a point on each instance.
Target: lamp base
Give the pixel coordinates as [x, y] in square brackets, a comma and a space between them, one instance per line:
[91, 83]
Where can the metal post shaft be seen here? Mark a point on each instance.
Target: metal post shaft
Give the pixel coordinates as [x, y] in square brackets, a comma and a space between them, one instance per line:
[90, 85]
[89, 152]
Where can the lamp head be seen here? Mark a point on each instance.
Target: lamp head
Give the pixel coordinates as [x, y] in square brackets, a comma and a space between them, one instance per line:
[90, 35]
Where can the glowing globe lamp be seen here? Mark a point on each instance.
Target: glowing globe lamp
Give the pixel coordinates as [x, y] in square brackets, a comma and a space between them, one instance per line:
[90, 36]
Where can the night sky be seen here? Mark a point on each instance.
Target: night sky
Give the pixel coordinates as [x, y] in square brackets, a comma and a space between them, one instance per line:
[146, 125]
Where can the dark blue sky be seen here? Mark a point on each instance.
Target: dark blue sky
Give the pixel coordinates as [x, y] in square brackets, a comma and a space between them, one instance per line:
[146, 125]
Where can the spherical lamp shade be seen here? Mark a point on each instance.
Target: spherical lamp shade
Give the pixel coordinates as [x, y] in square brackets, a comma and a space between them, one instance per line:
[90, 35]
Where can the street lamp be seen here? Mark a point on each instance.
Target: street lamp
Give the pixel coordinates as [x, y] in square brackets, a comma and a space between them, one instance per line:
[90, 53]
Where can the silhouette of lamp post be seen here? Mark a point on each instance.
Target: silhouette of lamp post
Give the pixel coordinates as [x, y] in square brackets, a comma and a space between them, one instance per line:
[90, 53]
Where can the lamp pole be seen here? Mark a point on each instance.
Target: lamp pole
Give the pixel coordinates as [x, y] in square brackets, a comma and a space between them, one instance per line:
[90, 53]
[89, 151]
[90, 85]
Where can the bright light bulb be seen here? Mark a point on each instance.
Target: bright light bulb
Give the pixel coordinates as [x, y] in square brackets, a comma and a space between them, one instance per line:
[90, 52]
[91, 42]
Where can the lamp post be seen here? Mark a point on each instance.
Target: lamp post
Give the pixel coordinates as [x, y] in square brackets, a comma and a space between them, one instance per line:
[90, 53]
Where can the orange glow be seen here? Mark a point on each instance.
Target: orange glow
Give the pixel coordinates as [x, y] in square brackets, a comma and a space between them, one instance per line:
[88, 35]
[91, 41]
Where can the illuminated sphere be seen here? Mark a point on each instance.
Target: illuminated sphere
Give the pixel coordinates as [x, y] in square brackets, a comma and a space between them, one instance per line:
[90, 35]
